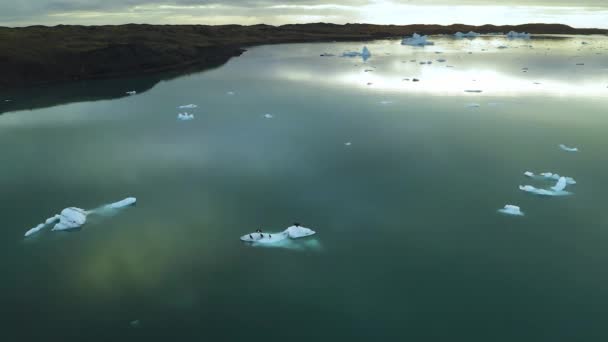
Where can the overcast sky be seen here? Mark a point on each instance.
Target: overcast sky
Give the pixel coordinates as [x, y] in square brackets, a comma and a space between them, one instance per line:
[581, 13]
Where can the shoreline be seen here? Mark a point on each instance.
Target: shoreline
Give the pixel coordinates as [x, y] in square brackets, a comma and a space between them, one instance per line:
[41, 55]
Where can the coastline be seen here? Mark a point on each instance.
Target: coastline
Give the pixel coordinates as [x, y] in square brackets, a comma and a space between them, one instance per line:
[40, 55]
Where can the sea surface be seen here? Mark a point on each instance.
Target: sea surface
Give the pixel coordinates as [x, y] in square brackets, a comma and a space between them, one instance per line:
[401, 181]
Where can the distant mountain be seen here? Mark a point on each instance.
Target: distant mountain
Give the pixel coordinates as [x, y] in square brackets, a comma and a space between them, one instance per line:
[40, 55]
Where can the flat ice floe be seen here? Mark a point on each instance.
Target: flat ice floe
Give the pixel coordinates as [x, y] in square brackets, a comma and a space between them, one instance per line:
[188, 106]
[73, 217]
[416, 40]
[568, 149]
[510, 209]
[549, 176]
[285, 239]
[557, 190]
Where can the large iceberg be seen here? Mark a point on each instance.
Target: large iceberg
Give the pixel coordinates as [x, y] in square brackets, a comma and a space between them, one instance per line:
[549, 176]
[559, 189]
[514, 35]
[471, 34]
[416, 40]
[73, 218]
[510, 209]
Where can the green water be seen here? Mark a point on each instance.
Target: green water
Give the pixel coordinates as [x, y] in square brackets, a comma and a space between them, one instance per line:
[409, 245]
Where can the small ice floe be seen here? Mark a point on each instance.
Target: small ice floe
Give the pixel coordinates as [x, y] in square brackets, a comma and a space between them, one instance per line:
[473, 105]
[7, 100]
[503, 47]
[365, 54]
[520, 35]
[416, 40]
[385, 102]
[135, 324]
[268, 116]
[473, 91]
[568, 149]
[230, 93]
[185, 116]
[368, 70]
[557, 190]
[282, 239]
[348, 143]
[580, 63]
[132, 92]
[188, 106]
[470, 34]
[73, 218]
[510, 209]
[549, 176]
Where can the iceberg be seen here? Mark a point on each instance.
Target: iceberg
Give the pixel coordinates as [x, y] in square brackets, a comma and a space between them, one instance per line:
[188, 106]
[416, 40]
[521, 35]
[279, 239]
[268, 116]
[132, 92]
[230, 93]
[549, 176]
[348, 143]
[185, 116]
[510, 209]
[365, 54]
[73, 217]
[568, 149]
[471, 34]
[557, 190]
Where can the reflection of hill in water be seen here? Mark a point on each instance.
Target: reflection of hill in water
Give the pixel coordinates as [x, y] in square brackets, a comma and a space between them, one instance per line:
[91, 90]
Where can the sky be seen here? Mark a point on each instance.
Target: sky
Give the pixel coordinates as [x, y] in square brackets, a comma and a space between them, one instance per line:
[580, 13]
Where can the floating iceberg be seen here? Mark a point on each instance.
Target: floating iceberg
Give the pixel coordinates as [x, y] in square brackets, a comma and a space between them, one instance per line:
[471, 34]
[568, 149]
[557, 190]
[185, 116]
[510, 209]
[188, 106]
[514, 35]
[268, 116]
[132, 92]
[365, 54]
[549, 176]
[280, 239]
[348, 143]
[72, 217]
[416, 40]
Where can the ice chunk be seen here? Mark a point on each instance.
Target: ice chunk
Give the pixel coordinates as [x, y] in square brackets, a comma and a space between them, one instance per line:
[473, 91]
[185, 116]
[135, 324]
[386, 102]
[293, 232]
[132, 92]
[568, 149]
[441, 60]
[560, 185]
[543, 192]
[188, 106]
[473, 105]
[416, 40]
[325, 54]
[471, 34]
[510, 209]
[521, 35]
[549, 176]
[268, 116]
[123, 203]
[297, 231]
[502, 47]
[365, 54]
[348, 143]
[230, 93]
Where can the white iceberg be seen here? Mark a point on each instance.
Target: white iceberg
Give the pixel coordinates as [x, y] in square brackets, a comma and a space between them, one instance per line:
[549, 176]
[416, 40]
[185, 116]
[521, 35]
[365, 54]
[188, 106]
[568, 149]
[73, 218]
[510, 209]
[268, 116]
[348, 143]
[557, 190]
[132, 92]
[279, 239]
[471, 34]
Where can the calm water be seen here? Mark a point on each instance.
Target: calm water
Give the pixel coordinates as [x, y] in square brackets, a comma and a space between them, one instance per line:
[409, 243]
